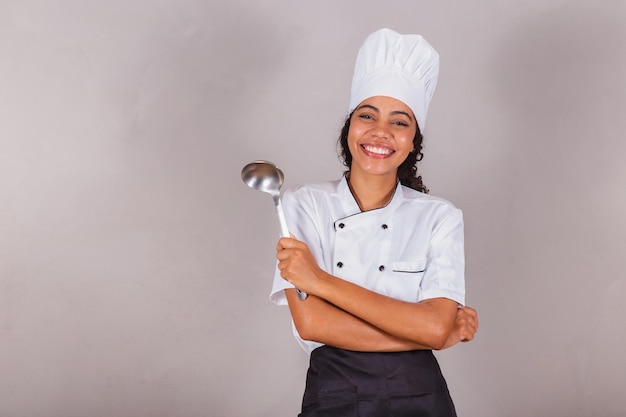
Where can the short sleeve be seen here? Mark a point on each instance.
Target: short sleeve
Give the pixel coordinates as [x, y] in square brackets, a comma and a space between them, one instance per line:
[301, 224]
[444, 275]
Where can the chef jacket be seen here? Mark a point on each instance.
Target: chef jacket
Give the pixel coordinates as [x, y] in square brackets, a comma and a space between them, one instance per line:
[411, 249]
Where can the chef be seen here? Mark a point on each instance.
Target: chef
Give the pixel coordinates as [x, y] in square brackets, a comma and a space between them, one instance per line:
[381, 260]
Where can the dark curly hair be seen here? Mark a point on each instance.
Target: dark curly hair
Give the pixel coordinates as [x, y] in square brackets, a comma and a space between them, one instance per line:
[407, 171]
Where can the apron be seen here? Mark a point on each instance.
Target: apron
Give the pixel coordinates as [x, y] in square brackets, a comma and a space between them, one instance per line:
[342, 383]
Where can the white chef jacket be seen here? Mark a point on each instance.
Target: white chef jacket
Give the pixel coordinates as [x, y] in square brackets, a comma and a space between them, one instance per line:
[411, 249]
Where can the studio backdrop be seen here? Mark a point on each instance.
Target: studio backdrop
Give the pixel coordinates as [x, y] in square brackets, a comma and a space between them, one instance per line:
[135, 265]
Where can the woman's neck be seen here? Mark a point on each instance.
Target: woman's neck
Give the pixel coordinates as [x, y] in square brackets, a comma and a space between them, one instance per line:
[372, 192]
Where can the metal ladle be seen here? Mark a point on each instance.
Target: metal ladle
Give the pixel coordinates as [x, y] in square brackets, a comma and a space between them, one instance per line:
[267, 177]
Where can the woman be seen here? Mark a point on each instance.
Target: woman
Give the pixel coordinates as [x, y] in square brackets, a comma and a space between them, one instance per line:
[382, 261]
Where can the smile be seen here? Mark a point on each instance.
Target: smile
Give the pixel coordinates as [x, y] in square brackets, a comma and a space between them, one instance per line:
[377, 150]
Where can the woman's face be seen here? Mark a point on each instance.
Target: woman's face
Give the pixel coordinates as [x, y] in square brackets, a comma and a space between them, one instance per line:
[380, 136]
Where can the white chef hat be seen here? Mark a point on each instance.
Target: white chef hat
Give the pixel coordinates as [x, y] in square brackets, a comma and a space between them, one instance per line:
[404, 67]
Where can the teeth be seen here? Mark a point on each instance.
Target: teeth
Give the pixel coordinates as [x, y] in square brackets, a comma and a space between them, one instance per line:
[377, 150]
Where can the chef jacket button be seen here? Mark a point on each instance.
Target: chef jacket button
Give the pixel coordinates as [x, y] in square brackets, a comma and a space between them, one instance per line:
[341, 225]
[381, 268]
[384, 226]
[339, 264]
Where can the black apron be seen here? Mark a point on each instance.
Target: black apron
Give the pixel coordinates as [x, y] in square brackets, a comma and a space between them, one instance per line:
[342, 383]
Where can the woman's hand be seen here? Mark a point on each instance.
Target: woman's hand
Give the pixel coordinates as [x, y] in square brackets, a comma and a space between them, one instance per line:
[297, 264]
[465, 326]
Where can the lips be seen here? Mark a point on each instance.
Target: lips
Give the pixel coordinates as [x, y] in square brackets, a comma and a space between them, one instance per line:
[377, 151]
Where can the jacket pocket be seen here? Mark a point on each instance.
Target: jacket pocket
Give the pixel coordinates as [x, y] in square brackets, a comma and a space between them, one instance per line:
[409, 267]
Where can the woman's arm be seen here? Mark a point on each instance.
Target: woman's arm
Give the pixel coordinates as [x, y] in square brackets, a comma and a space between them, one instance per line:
[428, 323]
[320, 321]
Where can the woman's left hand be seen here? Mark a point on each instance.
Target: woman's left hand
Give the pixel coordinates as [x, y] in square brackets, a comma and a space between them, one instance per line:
[297, 264]
[465, 326]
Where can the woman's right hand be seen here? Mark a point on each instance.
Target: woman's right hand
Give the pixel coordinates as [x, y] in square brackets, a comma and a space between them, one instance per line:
[297, 264]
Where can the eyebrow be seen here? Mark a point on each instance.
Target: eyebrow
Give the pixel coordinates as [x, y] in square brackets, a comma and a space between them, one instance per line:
[369, 106]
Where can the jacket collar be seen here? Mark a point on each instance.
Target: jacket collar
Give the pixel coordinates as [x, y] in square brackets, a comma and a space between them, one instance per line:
[350, 206]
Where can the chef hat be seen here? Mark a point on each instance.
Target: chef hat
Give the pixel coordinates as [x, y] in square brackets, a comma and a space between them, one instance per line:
[404, 67]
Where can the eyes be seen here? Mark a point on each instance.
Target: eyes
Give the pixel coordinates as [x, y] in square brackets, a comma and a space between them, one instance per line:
[398, 121]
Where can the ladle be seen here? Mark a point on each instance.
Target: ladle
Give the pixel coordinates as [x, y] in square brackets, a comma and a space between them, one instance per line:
[267, 177]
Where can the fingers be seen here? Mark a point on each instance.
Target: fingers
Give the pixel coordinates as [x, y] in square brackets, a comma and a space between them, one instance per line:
[293, 257]
[291, 247]
[287, 242]
[472, 316]
[467, 323]
[287, 247]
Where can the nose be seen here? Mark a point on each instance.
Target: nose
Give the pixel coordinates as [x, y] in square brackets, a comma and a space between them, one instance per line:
[381, 130]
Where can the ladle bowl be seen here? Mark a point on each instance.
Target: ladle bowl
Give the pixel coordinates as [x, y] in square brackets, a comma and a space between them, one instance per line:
[263, 176]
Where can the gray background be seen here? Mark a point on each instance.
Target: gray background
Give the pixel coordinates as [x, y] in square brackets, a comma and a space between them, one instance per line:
[135, 266]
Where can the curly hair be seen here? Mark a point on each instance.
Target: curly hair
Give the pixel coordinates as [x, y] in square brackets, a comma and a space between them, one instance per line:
[407, 171]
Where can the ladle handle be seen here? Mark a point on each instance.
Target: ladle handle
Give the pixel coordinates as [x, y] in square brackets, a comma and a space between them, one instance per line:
[284, 232]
